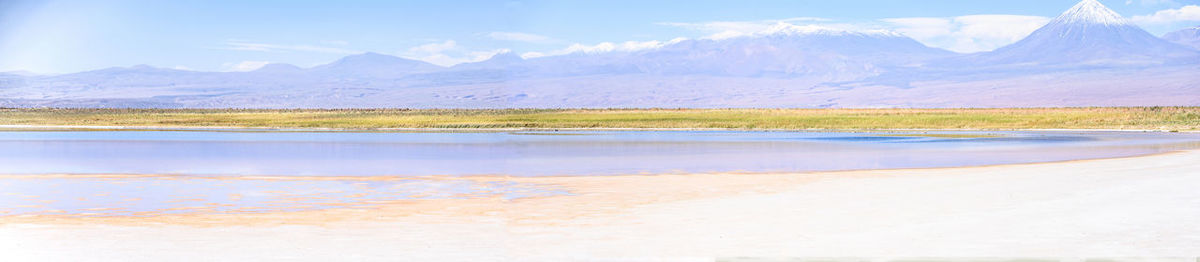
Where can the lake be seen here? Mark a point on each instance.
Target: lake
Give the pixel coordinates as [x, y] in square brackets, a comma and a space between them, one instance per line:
[187, 172]
[549, 153]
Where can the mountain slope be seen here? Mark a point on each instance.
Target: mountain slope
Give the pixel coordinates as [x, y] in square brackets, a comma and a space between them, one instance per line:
[278, 68]
[791, 51]
[1089, 56]
[1188, 37]
[785, 51]
[373, 65]
[1088, 34]
[502, 60]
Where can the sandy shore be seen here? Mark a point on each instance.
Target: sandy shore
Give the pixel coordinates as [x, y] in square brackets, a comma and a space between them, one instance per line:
[1131, 207]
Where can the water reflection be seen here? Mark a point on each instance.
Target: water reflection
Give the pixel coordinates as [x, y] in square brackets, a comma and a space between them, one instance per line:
[147, 196]
[549, 153]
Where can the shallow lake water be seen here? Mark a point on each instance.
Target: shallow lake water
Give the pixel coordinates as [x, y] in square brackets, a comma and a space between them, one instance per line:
[147, 196]
[208, 171]
[549, 153]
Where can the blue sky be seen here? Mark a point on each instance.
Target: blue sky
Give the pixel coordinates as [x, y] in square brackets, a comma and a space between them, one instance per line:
[227, 35]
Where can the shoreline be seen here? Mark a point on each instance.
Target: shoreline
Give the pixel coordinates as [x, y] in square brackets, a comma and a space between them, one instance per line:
[1142, 206]
[569, 183]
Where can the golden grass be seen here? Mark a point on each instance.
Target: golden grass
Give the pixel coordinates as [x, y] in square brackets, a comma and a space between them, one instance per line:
[1128, 118]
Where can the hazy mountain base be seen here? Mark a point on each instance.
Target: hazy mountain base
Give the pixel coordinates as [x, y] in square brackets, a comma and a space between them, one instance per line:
[1162, 86]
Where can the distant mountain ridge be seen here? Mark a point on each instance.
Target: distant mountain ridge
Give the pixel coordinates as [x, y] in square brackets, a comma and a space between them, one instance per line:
[1188, 37]
[279, 68]
[1088, 56]
[373, 65]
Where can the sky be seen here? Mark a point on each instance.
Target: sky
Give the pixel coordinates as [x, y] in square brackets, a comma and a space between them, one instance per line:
[64, 36]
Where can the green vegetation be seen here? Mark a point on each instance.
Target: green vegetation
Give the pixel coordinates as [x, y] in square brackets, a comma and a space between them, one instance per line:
[1140, 118]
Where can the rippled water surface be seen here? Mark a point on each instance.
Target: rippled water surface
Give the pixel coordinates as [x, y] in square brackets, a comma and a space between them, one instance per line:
[548, 153]
[212, 172]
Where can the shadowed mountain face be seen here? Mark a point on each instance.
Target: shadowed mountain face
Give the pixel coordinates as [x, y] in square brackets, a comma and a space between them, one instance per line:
[373, 65]
[501, 61]
[1088, 56]
[831, 55]
[1188, 37]
[276, 68]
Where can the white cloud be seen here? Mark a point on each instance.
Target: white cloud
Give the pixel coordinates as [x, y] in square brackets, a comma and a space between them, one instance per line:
[522, 37]
[528, 55]
[434, 47]
[973, 33]
[1152, 2]
[245, 66]
[184, 68]
[727, 35]
[275, 48]
[628, 46]
[448, 53]
[922, 27]
[740, 27]
[1190, 13]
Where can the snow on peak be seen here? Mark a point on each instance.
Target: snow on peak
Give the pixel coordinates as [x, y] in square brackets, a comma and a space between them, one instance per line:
[1091, 12]
[790, 29]
[506, 55]
[787, 29]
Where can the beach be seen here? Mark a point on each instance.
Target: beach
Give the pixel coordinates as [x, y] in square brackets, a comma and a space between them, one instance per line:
[1127, 207]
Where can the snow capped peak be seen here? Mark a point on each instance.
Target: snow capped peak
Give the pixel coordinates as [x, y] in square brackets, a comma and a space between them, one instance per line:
[505, 55]
[787, 29]
[1087, 34]
[790, 29]
[1091, 12]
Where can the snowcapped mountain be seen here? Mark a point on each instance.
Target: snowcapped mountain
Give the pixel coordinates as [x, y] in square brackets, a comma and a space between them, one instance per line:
[1188, 37]
[1088, 56]
[789, 51]
[1088, 34]
[786, 51]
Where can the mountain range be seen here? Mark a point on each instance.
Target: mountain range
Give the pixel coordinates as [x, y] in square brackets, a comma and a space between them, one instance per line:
[1088, 56]
[1188, 37]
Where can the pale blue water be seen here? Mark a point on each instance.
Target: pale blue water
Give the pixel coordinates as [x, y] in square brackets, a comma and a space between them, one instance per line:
[125, 196]
[544, 153]
[194, 158]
